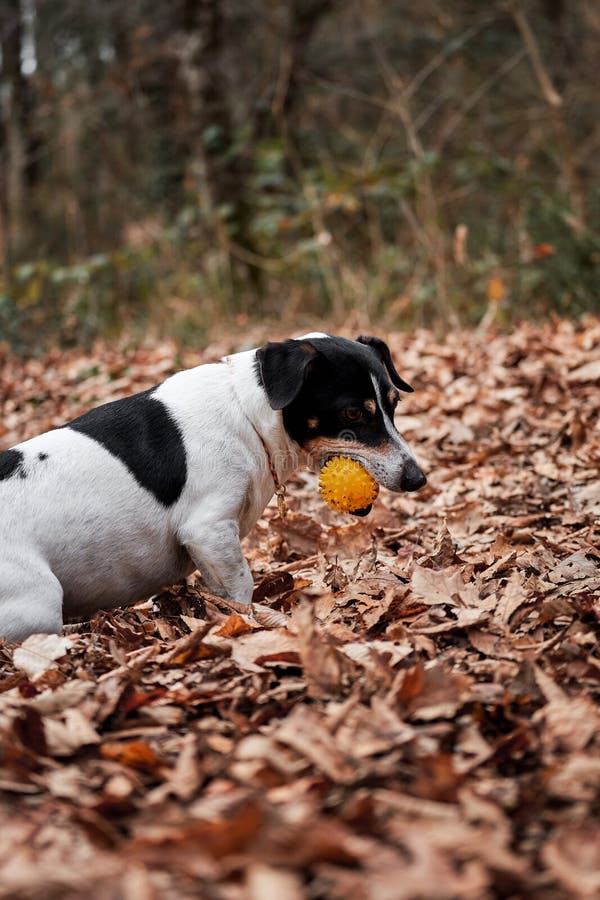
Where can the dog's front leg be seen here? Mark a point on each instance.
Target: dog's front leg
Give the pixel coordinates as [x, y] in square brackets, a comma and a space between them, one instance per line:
[215, 549]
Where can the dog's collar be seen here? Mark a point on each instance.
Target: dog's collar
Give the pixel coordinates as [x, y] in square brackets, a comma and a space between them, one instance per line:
[279, 487]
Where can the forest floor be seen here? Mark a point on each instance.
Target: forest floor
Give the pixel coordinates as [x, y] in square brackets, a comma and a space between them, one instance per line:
[415, 713]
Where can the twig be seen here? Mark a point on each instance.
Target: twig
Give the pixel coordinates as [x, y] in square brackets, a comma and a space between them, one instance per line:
[268, 263]
[298, 564]
[476, 96]
[451, 47]
[549, 92]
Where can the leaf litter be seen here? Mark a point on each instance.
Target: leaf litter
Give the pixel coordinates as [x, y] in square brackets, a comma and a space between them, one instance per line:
[414, 711]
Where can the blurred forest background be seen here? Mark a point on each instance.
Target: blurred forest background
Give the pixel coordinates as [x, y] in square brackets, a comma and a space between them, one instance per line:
[174, 164]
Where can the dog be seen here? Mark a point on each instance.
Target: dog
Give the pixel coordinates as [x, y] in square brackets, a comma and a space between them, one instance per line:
[140, 492]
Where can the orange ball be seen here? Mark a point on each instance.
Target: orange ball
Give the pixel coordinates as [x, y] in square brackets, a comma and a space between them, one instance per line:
[345, 485]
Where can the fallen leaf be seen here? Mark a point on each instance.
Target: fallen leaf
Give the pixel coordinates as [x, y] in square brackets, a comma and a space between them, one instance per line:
[323, 665]
[589, 371]
[304, 730]
[432, 692]
[253, 651]
[443, 586]
[266, 881]
[68, 733]
[573, 856]
[136, 754]
[39, 652]
[233, 626]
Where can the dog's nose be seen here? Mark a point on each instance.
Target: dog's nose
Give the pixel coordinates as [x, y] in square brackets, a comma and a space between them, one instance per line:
[412, 477]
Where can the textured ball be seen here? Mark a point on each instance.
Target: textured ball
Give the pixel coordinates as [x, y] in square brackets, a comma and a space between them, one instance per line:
[345, 485]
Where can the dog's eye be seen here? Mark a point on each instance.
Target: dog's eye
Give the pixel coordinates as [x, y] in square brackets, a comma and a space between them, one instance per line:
[353, 414]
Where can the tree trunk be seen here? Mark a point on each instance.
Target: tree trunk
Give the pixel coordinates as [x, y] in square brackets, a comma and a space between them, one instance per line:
[12, 143]
[302, 21]
[225, 168]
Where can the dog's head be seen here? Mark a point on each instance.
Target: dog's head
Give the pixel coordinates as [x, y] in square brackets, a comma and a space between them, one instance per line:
[338, 396]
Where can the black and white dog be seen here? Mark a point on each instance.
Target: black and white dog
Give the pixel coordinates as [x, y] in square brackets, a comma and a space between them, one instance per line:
[138, 493]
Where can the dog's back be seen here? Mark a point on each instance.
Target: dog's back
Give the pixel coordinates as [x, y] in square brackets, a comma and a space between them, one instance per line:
[75, 506]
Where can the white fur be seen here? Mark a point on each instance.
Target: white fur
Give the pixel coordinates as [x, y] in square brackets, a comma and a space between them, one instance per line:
[387, 468]
[79, 534]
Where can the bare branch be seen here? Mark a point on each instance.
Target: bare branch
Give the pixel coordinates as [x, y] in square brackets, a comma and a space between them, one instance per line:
[549, 92]
[474, 98]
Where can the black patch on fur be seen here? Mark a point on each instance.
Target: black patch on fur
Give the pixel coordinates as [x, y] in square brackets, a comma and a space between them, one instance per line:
[383, 351]
[140, 432]
[338, 378]
[42, 456]
[11, 463]
[283, 367]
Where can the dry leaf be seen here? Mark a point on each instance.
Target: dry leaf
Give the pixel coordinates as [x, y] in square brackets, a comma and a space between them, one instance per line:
[265, 881]
[39, 652]
[233, 626]
[253, 651]
[136, 754]
[443, 586]
[305, 732]
[67, 734]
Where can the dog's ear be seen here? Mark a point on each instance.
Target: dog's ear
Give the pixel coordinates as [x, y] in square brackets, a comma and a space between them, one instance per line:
[284, 367]
[383, 352]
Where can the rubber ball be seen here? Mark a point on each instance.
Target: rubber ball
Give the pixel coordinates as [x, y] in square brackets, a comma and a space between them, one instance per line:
[345, 485]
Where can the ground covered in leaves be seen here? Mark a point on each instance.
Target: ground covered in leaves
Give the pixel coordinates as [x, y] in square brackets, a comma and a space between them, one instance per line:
[415, 713]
